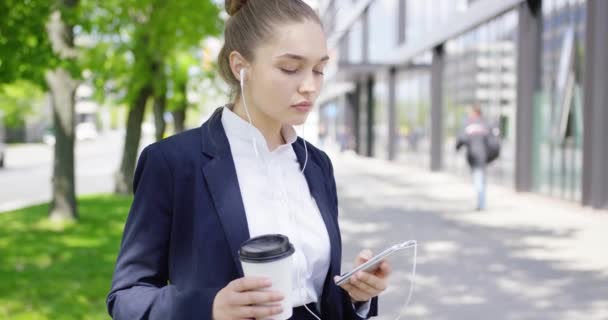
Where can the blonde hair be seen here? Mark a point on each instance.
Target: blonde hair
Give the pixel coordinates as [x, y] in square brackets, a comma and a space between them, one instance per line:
[251, 23]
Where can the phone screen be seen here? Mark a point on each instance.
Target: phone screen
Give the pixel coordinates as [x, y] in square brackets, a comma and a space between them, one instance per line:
[372, 263]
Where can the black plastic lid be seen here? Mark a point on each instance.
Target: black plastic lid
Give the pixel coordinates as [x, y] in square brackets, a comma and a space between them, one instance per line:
[266, 248]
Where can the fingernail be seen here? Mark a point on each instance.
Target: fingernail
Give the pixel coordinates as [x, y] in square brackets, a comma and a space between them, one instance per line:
[267, 282]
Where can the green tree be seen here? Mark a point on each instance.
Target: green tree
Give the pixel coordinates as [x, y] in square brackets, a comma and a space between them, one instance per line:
[180, 64]
[135, 40]
[25, 51]
[17, 101]
[37, 43]
[25, 54]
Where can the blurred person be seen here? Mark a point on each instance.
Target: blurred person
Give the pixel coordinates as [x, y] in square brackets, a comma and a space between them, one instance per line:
[200, 194]
[478, 138]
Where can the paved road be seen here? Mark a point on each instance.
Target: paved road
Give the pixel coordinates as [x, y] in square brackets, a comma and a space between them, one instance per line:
[27, 176]
[526, 257]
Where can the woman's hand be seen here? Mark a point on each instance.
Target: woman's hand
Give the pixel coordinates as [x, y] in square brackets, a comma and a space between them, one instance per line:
[365, 285]
[243, 299]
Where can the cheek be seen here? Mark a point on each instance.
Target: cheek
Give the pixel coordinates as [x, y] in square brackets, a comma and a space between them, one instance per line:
[282, 85]
[274, 89]
[264, 85]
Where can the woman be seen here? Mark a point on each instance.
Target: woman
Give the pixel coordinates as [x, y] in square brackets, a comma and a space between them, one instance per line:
[200, 194]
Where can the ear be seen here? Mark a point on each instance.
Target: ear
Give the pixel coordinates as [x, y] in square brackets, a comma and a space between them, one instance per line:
[237, 63]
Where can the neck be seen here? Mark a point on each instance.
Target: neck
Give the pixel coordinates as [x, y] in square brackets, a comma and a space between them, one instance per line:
[270, 129]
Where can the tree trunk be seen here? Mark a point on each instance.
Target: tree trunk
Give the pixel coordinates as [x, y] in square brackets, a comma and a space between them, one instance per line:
[124, 177]
[160, 97]
[160, 105]
[179, 118]
[62, 88]
[179, 115]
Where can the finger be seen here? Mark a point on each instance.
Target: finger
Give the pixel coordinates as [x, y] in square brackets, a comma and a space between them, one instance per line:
[368, 279]
[256, 297]
[347, 286]
[384, 270]
[258, 311]
[363, 256]
[354, 292]
[358, 295]
[250, 283]
[365, 286]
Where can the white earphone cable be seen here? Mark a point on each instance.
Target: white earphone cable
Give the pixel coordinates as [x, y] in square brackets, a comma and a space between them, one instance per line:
[242, 80]
[412, 281]
[305, 147]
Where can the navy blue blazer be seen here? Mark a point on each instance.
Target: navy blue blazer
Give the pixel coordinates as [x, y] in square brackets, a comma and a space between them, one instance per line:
[187, 222]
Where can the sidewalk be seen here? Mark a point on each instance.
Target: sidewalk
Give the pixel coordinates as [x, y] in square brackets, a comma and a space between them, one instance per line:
[526, 257]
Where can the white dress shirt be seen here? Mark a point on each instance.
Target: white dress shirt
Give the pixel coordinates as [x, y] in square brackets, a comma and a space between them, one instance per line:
[277, 200]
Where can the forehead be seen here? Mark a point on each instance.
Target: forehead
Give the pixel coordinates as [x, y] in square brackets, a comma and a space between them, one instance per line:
[305, 39]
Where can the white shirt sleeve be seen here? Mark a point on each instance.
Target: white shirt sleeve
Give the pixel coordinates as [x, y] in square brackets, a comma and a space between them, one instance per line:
[363, 309]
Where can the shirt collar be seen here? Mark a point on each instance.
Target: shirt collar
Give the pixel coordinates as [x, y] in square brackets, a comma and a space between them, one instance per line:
[238, 128]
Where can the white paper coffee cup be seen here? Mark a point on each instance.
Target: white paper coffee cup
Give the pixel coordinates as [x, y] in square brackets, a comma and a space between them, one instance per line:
[271, 256]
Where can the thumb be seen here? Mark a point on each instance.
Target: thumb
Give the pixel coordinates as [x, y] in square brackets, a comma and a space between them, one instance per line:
[363, 256]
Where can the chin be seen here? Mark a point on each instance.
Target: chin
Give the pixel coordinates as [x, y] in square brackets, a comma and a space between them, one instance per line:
[298, 121]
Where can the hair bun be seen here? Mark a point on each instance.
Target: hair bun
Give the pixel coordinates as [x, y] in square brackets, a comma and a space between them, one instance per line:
[233, 6]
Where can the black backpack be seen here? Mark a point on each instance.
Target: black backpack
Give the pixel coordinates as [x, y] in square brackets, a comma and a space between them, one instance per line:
[492, 146]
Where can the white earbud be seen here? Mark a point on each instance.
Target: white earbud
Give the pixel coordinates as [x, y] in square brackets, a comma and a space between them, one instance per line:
[242, 73]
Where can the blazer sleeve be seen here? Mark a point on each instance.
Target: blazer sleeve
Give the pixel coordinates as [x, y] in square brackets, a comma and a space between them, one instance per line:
[140, 286]
[349, 309]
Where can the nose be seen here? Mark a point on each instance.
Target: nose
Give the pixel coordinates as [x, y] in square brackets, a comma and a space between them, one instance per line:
[308, 85]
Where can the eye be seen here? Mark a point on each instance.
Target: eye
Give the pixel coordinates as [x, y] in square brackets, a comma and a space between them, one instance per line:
[289, 71]
[318, 72]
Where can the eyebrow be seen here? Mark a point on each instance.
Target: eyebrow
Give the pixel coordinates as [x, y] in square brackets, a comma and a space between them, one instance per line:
[298, 57]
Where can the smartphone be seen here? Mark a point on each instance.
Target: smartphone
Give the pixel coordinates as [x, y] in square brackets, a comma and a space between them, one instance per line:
[373, 262]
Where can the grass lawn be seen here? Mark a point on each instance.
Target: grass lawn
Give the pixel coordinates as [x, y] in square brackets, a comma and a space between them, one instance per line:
[49, 271]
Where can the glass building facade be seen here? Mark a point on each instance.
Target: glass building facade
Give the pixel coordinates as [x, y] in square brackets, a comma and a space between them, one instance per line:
[411, 80]
[481, 70]
[559, 159]
[414, 121]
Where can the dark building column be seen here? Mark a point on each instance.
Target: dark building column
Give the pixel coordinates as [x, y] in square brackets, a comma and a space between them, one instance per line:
[370, 117]
[346, 128]
[595, 114]
[355, 99]
[365, 34]
[402, 21]
[392, 114]
[528, 83]
[437, 67]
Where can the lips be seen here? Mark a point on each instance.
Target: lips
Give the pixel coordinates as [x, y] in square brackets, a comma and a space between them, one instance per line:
[303, 106]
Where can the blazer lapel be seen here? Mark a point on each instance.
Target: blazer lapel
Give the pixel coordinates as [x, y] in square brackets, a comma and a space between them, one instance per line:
[317, 184]
[222, 181]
